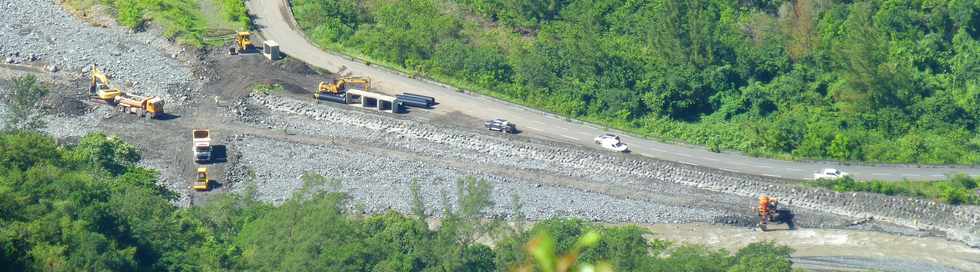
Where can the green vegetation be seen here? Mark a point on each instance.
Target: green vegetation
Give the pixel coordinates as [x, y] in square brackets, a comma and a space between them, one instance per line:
[960, 189]
[234, 11]
[180, 19]
[22, 101]
[266, 88]
[89, 207]
[878, 80]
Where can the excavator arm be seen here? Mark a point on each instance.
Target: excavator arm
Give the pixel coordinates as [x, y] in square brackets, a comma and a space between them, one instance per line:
[100, 87]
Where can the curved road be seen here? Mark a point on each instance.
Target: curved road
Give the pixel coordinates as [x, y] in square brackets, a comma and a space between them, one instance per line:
[274, 21]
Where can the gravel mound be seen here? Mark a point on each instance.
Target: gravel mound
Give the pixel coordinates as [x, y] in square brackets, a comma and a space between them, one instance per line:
[42, 32]
[682, 185]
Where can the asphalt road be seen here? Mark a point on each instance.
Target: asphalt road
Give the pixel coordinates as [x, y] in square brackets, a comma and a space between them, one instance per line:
[274, 21]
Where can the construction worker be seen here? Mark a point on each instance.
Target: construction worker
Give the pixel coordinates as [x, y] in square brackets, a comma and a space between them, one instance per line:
[763, 205]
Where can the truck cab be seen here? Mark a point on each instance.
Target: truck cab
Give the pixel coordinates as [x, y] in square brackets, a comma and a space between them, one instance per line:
[202, 145]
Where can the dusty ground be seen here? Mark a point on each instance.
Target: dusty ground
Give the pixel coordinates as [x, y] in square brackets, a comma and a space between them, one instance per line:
[275, 138]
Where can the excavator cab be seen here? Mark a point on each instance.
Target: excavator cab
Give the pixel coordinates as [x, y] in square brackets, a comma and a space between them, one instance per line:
[202, 183]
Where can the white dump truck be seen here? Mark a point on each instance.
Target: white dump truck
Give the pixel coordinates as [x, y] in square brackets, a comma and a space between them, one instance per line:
[202, 145]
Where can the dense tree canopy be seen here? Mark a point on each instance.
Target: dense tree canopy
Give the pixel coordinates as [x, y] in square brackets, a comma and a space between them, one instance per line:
[89, 207]
[877, 80]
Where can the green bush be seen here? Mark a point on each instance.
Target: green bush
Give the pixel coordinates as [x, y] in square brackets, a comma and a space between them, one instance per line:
[959, 189]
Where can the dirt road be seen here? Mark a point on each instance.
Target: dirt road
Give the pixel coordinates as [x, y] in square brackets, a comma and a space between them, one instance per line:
[273, 20]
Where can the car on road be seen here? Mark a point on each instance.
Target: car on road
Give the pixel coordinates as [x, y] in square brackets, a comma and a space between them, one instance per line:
[830, 173]
[500, 125]
[611, 142]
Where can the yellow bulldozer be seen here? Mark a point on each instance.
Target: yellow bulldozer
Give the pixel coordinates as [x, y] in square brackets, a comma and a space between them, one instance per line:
[202, 183]
[243, 43]
[100, 88]
[140, 105]
[338, 86]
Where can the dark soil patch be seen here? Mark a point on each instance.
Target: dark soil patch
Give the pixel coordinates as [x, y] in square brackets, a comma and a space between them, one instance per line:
[65, 105]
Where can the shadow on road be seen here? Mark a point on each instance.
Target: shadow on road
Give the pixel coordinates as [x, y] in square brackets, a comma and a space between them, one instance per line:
[219, 154]
[167, 117]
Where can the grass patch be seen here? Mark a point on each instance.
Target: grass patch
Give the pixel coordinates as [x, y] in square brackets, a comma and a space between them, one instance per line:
[959, 189]
[234, 12]
[265, 88]
[180, 20]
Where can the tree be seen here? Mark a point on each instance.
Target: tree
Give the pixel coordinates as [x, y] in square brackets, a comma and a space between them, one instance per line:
[23, 111]
[763, 257]
[840, 147]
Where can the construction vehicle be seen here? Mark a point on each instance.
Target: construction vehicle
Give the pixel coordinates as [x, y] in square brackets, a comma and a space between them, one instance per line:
[202, 145]
[100, 88]
[202, 183]
[142, 106]
[243, 43]
[338, 86]
[769, 212]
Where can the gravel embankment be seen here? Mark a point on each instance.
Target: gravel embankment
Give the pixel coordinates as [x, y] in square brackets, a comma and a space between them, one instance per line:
[683, 182]
[41, 32]
[380, 182]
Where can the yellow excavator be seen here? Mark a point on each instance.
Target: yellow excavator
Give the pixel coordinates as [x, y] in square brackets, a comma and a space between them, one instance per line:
[202, 183]
[338, 86]
[100, 88]
[243, 43]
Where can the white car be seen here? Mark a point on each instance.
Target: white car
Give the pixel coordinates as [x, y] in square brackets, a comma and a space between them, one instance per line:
[611, 142]
[830, 173]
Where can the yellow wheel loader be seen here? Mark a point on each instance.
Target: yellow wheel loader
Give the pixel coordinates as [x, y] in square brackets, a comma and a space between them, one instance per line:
[202, 183]
[243, 43]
